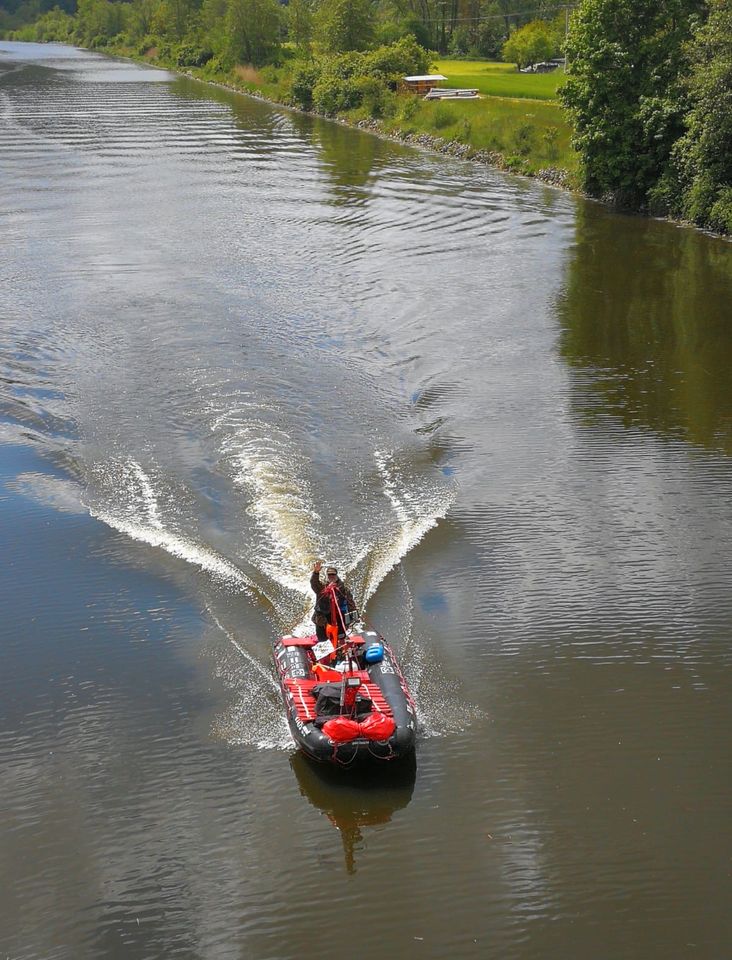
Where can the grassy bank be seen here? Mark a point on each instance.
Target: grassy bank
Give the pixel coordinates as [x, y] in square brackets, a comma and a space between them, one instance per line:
[521, 134]
[529, 137]
[494, 79]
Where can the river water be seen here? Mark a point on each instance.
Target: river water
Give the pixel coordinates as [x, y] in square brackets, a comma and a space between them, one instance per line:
[234, 339]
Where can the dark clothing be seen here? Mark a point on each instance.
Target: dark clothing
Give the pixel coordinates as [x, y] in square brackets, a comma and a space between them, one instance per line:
[323, 613]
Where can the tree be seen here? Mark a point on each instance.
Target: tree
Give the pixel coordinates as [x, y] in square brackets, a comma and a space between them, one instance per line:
[141, 17]
[479, 30]
[300, 25]
[253, 30]
[624, 91]
[213, 24]
[99, 20]
[703, 156]
[172, 17]
[343, 25]
[530, 44]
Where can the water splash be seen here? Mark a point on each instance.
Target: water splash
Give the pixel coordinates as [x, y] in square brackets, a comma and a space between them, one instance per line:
[281, 504]
[441, 709]
[255, 716]
[136, 511]
[417, 510]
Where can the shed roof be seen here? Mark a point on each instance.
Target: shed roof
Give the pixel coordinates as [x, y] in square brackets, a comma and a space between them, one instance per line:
[426, 76]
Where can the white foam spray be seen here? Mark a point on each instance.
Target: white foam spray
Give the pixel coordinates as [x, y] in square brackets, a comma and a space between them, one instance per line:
[417, 512]
[281, 501]
[137, 514]
[255, 716]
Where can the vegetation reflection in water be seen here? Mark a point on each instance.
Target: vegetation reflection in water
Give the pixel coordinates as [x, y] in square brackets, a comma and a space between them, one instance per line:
[348, 160]
[648, 320]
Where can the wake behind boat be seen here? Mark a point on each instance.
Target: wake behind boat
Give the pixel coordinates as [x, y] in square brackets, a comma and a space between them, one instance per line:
[347, 703]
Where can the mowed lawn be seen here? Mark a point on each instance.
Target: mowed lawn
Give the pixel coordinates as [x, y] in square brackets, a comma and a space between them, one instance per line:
[494, 79]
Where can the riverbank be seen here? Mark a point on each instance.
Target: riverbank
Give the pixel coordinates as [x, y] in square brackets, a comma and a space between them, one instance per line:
[527, 137]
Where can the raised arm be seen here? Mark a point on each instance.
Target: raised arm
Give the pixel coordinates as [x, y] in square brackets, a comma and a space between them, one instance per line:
[315, 585]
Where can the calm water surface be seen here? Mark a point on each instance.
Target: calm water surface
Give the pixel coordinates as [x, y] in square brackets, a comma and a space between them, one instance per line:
[234, 339]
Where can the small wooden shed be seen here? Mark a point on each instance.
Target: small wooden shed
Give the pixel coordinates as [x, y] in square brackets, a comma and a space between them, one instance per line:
[422, 84]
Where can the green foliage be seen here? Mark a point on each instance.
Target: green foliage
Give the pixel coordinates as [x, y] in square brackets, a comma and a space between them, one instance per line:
[98, 21]
[212, 20]
[532, 43]
[252, 30]
[393, 61]
[140, 20]
[550, 137]
[56, 25]
[409, 109]
[333, 95]
[342, 25]
[300, 25]
[217, 66]
[345, 82]
[624, 92]
[720, 213]
[17, 15]
[524, 139]
[702, 158]
[390, 30]
[303, 84]
[172, 18]
[481, 35]
[192, 54]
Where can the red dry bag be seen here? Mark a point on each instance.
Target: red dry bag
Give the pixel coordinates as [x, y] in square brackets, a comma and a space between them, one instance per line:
[377, 726]
[341, 729]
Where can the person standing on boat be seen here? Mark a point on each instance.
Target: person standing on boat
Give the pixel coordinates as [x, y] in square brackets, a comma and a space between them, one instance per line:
[327, 596]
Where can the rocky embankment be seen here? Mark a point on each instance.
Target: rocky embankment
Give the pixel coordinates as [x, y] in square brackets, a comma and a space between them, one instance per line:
[455, 148]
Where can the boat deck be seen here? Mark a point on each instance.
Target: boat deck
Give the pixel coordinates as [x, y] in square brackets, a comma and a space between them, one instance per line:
[304, 701]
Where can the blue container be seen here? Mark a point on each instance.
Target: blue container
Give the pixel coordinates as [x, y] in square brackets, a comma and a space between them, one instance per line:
[374, 653]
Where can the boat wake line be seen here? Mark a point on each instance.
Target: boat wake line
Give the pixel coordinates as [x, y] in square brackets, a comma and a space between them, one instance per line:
[137, 515]
[140, 511]
[135, 509]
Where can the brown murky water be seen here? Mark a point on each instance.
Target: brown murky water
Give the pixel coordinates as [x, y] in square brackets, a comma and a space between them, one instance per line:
[234, 339]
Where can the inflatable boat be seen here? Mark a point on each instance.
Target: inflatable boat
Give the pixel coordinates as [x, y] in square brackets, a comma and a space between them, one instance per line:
[346, 703]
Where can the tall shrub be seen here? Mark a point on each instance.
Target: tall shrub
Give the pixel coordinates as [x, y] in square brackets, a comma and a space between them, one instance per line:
[703, 157]
[253, 30]
[530, 44]
[624, 91]
[342, 25]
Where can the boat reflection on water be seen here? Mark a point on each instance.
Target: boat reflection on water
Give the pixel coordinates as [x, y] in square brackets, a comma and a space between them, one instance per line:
[355, 798]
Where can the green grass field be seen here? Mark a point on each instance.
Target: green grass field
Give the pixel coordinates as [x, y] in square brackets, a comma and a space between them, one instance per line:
[500, 79]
